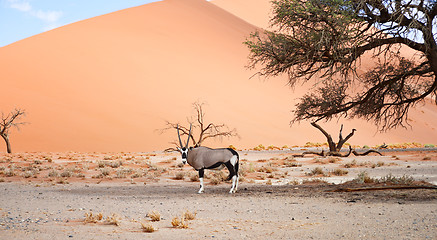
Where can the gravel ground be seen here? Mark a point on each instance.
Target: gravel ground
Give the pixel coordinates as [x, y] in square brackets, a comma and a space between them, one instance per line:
[30, 211]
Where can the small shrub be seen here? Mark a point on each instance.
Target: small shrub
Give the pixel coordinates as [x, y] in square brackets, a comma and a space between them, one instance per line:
[259, 148]
[194, 178]
[266, 169]
[316, 171]
[112, 164]
[292, 163]
[123, 172]
[217, 177]
[334, 159]
[10, 172]
[66, 173]
[313, 181]
[179, 176]
[272, 147]
[351, 164]
[396, 180]
[340, 172]
[363, 177]
[105, 171]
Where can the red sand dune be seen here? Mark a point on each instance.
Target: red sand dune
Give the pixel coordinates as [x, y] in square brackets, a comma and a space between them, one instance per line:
[107, 83]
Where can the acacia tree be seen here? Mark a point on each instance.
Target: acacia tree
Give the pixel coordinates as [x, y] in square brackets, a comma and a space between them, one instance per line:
[7, 122]
[205, 130]
[327, 39]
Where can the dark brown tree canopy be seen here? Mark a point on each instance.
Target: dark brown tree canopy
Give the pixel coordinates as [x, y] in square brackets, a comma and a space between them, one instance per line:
[326, 40]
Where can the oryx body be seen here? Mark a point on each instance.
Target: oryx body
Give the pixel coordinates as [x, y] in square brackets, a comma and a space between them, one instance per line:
[201, 158]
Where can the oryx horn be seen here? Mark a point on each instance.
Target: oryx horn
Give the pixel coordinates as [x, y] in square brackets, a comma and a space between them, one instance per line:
[189, 135]
[179, 136]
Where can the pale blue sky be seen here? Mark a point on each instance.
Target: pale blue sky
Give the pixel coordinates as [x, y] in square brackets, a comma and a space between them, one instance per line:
[21, 19]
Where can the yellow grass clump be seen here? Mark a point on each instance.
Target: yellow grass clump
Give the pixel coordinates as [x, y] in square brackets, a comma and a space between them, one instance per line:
[147, 227]
[113, 220]
[91, 218]
[154, 216]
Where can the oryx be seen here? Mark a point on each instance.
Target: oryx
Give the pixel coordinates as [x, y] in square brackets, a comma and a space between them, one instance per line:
[201, 158]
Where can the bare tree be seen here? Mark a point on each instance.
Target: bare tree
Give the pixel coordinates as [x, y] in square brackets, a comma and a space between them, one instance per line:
[205, 130]
[335, 148]
[7, 122]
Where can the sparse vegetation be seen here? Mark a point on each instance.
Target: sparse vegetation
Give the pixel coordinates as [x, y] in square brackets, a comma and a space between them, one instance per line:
[194, 177]
[182, 222]
[316, 171]
[339, 172]
[363, 177]
[217, 177]
[179, 176]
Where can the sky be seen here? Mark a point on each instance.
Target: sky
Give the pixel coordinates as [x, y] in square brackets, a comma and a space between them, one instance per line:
[21, 19]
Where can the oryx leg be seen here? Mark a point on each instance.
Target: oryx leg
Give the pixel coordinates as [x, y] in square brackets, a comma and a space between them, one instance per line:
[236, 174]
[201, 174]
[233, 173]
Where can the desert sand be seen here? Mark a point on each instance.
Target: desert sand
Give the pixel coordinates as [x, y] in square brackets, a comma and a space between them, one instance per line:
[108, 83]
[49, 195]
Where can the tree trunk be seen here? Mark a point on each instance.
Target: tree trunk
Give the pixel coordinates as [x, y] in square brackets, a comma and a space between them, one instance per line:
[342, 141]
[8, 144]
[332, 147]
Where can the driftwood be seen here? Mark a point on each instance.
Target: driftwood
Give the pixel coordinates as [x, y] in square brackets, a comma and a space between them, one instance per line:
[338, 154]
[366, 153]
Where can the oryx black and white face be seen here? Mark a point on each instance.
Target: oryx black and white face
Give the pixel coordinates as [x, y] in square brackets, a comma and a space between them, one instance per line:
[184, 149]
[184, 152]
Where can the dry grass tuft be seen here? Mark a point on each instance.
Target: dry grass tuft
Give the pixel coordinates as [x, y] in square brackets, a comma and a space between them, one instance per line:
[154, 216]
[91, 218]
[113, 220]
[147, 227]
[187, 215]
[177, 222]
